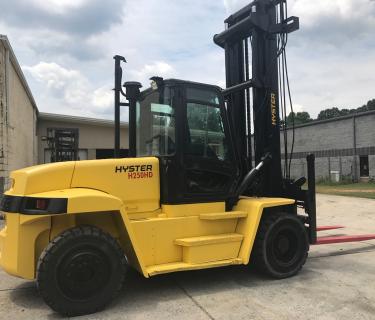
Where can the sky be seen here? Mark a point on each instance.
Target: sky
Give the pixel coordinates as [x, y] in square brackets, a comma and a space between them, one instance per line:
[66, 48]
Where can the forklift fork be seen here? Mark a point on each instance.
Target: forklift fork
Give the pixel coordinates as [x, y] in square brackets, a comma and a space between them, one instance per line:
[341, 238]
[311, 211]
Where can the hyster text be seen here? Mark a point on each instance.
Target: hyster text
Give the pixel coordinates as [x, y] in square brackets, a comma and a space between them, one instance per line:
[136, 171]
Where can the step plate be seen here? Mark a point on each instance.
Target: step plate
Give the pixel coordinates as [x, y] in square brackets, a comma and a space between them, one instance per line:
[208, 240]
[223, 215]
[182, 266]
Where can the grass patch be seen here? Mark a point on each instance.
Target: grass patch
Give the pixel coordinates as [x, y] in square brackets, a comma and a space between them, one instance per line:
[361, 190]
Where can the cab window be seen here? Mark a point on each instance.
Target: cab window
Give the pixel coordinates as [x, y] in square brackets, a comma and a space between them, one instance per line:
[206, 136]
[155, 124]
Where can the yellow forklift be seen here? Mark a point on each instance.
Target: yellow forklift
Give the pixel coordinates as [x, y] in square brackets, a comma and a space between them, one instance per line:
[194, 193]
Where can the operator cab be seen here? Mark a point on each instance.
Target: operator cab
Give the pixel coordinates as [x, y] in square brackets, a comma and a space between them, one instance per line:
[185, 125]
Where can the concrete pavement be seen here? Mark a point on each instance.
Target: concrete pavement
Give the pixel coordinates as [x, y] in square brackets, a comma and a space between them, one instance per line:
[337, 282]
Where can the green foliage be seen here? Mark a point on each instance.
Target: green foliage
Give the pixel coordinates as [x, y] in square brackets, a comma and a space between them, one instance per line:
[329, 113]
[299, 118]
[326, 181]
[336, 112]
[367, 107]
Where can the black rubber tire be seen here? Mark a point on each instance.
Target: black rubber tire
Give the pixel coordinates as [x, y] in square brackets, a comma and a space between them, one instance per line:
[81, 271]
[281, 245]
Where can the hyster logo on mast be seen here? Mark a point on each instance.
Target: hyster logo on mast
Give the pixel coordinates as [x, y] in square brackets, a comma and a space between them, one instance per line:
[273, 109]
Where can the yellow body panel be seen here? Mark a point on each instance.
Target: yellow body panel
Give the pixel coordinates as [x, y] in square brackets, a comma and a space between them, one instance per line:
[182, 266]
[106, 193]
[21, 245]
[223, 215]
[211, 252]
[44, 177]
[84, 200]
[135, 181]
[248, 227]
[208, 240]
[204, 249]
[195, 209]
[155, 237]
[139, 190]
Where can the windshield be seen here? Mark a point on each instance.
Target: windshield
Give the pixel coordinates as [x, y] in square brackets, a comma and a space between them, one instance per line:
[155, 123]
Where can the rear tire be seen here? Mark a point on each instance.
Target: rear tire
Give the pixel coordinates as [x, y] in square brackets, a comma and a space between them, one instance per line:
[281, 245]
[81, 271]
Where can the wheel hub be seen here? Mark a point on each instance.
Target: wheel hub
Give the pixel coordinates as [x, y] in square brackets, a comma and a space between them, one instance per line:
[283, 244]
[82, 275]
[285, 247]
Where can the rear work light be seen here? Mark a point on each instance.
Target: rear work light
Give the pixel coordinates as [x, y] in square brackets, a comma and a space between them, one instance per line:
[41, 204]
[31, 205]
[36, 204]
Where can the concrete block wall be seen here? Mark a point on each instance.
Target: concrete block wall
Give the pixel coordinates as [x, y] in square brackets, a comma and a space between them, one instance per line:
[348, 167]
[322, 136]
[372, 167]
[3, 118]
[365, 129]
[324, 168]
[334, 140]
[18, 116]
[22, 140]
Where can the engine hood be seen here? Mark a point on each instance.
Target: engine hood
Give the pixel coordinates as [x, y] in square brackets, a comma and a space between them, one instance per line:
[133, 180]
[41, 178]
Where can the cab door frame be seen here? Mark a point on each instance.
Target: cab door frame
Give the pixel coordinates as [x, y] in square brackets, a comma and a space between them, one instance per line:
[209, 166]
[174, 168]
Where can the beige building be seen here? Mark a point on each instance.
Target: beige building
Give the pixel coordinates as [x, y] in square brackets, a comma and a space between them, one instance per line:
[92, 138]
[18, 116]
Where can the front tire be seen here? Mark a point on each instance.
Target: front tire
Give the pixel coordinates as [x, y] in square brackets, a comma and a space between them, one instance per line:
[281, 245]
[81, 271]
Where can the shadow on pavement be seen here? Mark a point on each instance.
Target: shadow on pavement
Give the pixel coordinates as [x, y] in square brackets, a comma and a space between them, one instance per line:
[341, 251]
[144, 295]
[28, 298]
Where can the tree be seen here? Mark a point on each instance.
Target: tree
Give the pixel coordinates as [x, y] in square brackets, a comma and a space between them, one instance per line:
[367, 107]
[336, 112]
[329, 113]
[371, 104]
[299, 118]
[345, 112]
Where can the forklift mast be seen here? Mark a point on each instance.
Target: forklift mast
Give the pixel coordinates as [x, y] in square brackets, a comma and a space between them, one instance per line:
[252, 31]
[260, 31]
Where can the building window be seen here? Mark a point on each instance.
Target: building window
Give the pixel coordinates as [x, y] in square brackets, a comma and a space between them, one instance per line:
[363, 166]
